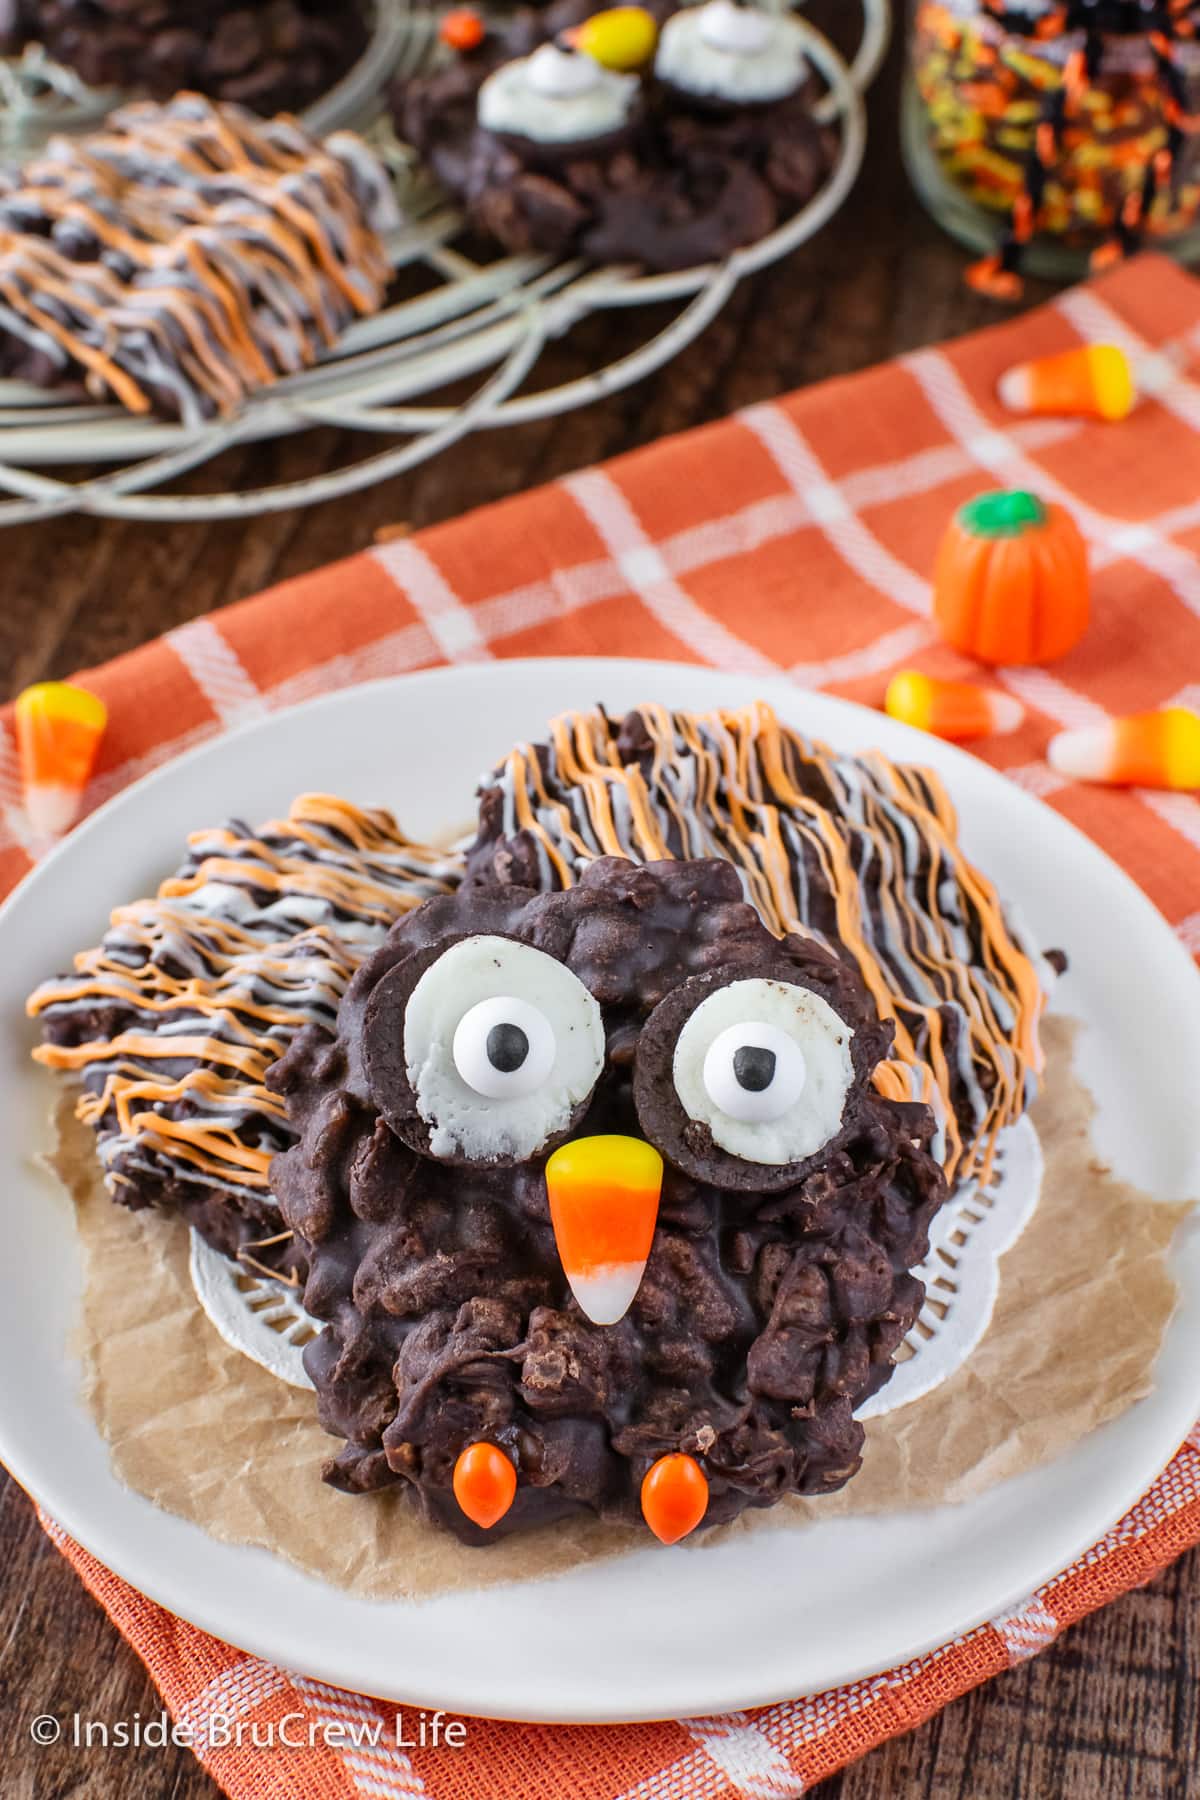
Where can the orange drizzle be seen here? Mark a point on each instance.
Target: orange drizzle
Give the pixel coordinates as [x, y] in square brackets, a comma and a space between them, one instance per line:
[208, 981]
[249, 244]
[857, 851]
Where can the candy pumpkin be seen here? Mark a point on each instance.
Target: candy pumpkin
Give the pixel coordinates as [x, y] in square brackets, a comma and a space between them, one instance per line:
[1011, 580]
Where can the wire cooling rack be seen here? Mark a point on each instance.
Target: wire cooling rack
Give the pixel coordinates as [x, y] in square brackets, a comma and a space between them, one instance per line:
[487, 320]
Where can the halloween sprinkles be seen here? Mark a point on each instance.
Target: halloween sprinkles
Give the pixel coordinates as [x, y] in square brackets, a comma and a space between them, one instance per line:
[1063, 121]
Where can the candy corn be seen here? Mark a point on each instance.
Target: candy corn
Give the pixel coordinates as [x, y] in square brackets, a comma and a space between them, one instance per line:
[957, 710]
[59, 728]
[1153, 749]
[603, 1194]
[1094, 381]
[623, 37]
[674, 1497]
[485, 1484]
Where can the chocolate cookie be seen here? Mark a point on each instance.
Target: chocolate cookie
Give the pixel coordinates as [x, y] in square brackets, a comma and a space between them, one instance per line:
[186, 255]
[554, 147]
[270, 55]
[596, 1190]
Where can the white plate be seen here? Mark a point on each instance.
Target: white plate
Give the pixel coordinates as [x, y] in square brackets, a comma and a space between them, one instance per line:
[776, 1614]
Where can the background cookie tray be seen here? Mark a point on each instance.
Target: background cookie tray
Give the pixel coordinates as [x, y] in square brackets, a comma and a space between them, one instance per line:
[490, 320]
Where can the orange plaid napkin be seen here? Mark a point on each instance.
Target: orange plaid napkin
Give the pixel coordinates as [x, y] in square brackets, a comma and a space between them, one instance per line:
[794, 537]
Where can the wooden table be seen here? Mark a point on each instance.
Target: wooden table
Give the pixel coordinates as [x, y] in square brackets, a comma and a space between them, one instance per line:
[1112, 1710]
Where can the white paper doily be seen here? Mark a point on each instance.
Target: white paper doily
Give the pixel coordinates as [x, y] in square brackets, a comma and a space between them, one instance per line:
[962, 1271]
[266, 1322]
[260, 1317]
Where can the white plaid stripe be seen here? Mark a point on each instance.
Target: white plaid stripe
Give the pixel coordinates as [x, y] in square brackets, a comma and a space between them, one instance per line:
[1026, 1630]
[381, 1770]
[828, 507]
[694, 1777]
[747, 1757]
[217, 670]
[641, 563]
[869, 659]
[230, 1695]
[452, 626]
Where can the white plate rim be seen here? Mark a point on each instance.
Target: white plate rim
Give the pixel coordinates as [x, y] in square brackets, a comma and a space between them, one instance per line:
[567, 679]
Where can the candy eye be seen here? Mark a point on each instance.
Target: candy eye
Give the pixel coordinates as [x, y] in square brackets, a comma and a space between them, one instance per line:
[766, 1066]
[502, 1048]
[754, 1072]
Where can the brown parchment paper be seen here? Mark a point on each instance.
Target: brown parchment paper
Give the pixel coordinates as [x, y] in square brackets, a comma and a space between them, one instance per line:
[1085, 1296]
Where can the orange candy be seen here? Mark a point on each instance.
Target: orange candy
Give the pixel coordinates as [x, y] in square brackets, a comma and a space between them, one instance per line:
[1152, 749]
[603, 1194]
[1010, 584]
[59, 728]
[462, 29]
[674, 1497]
[1092, 381]
[955, 710]
[485, 1484]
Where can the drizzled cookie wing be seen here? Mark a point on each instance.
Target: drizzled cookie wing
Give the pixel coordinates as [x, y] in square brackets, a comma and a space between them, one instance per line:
[171, 1022]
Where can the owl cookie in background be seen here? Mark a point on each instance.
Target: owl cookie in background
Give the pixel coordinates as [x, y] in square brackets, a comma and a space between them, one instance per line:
[856, 852]
[602, 1206]
[568, 131]
[169, 1024]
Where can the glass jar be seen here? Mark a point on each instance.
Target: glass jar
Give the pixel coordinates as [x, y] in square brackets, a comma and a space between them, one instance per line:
[1053, 135]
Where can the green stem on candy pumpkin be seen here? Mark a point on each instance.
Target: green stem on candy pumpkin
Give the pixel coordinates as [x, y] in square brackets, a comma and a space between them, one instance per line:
[1004, 514]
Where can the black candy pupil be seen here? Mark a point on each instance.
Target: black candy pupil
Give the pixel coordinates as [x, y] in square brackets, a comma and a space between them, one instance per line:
[507, 1048]
[753, 1068]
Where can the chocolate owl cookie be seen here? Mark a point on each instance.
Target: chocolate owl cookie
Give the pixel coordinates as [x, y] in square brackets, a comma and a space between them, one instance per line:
[602, 1209]
[562, 132]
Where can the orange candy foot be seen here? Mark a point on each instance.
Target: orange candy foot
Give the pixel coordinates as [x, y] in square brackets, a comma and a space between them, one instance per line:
[674, 1497]
[59, 727]
[955, 710]
[485, 1484]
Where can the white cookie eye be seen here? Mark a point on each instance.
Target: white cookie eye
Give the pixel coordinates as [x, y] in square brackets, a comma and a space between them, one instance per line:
[502, 1045]
[504, 1048]
[766, 1066]
[754, 1072]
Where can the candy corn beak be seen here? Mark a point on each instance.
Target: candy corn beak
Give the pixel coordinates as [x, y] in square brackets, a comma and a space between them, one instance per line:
[59, 728]
[1093, 382]
[604, 1194]
[1153, 750]
[485, 1484]
[957, 710]
[674, 1497]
